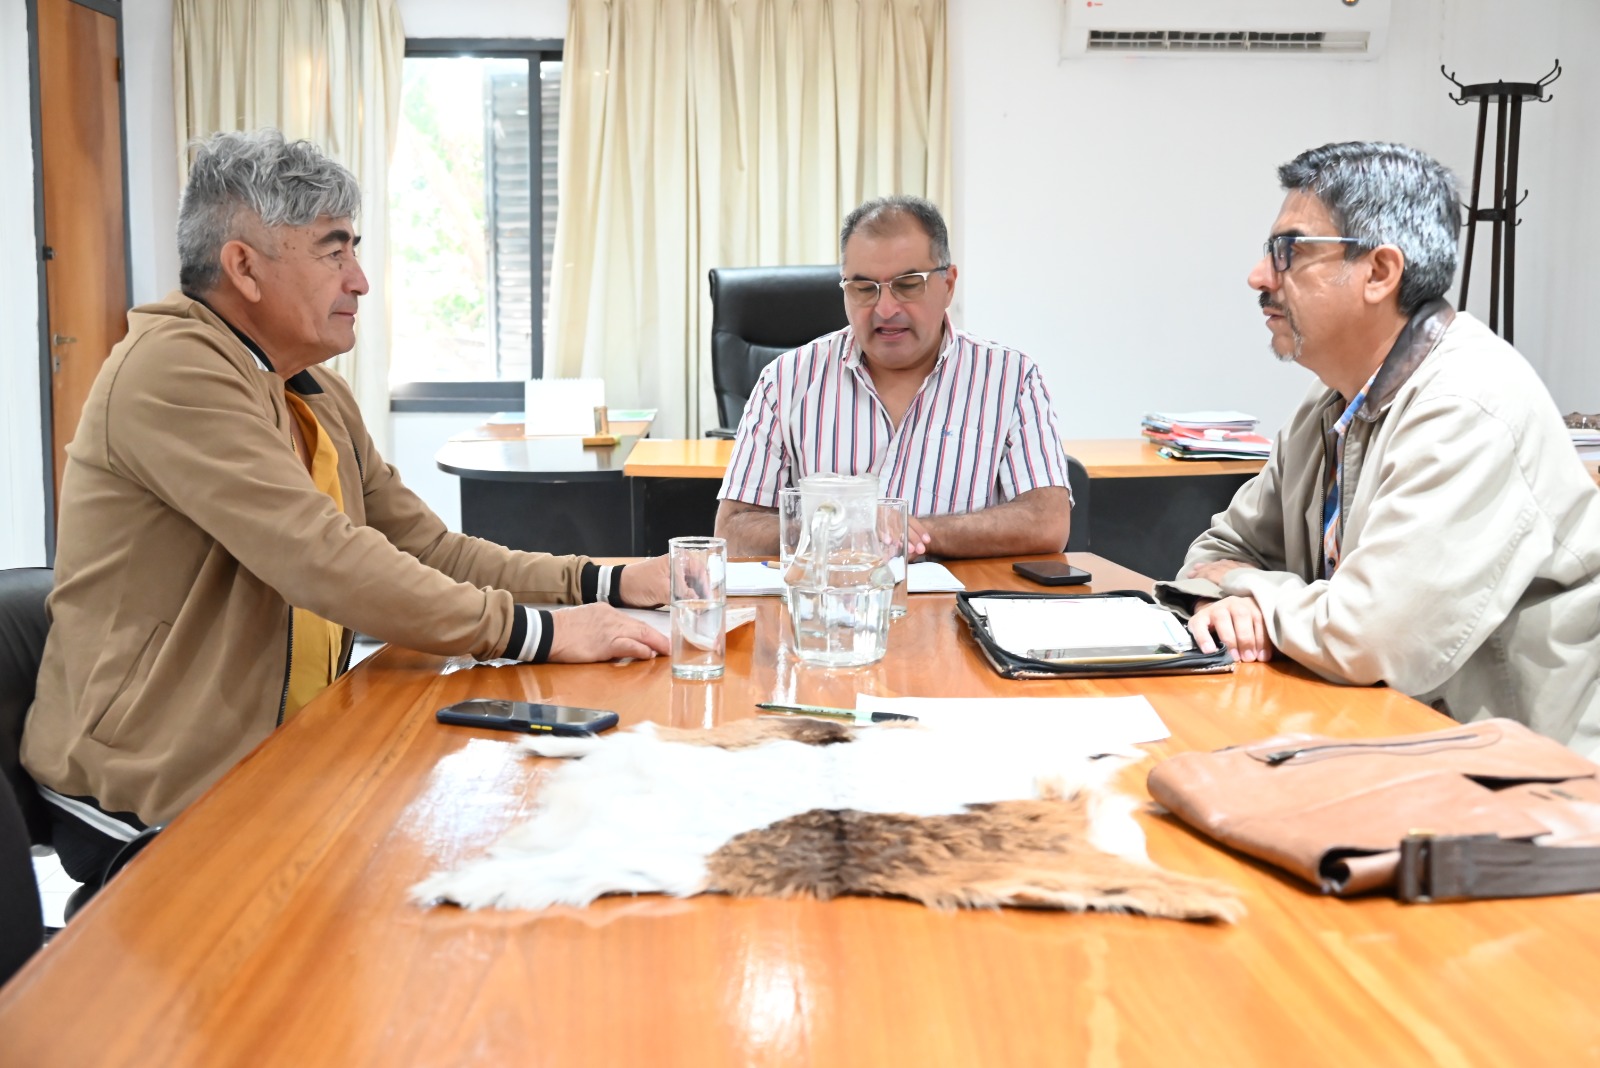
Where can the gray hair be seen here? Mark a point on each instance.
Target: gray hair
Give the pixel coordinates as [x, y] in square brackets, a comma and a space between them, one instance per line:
[260, 175]
[883, 215]
[1387, 194]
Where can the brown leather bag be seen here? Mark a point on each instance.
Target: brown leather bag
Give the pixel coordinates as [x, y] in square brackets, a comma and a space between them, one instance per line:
[1487, 809]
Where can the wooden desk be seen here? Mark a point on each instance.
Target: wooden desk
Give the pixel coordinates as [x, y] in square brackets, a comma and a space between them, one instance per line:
[1144, 510]
[1102, 457]
[545, 494]
[1138, 458]
[269, 924]
[634, 428]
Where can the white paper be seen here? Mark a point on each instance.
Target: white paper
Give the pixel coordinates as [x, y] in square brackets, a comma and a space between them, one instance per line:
[1036, 627]
[748, 578]
[557, 407]
[929, 577]
[754, 578]
[1205, 418]
[1109, 722]
[659, 618]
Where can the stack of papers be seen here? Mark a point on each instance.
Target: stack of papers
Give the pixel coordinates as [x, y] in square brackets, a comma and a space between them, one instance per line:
[748, 578]
[1206, 435]
[1587, 442]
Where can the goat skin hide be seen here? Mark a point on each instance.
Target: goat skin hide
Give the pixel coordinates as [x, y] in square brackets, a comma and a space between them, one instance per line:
[788, 808]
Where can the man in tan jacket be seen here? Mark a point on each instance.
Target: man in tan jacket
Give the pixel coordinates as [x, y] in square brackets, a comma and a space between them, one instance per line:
[226, 522]
[1423, 520]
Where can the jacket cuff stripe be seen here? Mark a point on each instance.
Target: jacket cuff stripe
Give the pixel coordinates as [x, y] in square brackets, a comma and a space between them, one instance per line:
[519, 633]
[589, 584]
[611, 585]
[545, 633]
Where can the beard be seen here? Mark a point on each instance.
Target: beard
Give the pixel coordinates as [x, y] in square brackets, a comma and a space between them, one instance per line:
[1293, 355]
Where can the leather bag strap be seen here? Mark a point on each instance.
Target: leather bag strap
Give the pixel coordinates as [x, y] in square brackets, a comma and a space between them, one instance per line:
[1466, 867]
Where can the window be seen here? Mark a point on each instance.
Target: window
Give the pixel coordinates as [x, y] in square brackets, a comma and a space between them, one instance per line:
[472, 216]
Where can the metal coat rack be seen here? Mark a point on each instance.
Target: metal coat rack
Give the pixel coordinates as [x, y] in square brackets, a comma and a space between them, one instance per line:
[1503, 213]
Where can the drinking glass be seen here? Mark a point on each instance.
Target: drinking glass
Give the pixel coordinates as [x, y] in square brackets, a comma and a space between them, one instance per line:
[699, 576]
[894, 529]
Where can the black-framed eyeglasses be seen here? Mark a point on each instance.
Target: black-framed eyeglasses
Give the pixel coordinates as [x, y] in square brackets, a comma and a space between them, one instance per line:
[906, 287]
[1280, 247]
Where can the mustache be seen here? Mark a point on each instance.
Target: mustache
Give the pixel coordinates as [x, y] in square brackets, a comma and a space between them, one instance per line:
[1266, 304]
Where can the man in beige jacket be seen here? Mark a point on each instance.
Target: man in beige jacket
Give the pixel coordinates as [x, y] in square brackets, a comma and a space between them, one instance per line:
[226, 522]
[1423, 520]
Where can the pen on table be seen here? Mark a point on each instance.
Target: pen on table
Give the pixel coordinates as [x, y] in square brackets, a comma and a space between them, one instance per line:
[771, 563]
[849, 715]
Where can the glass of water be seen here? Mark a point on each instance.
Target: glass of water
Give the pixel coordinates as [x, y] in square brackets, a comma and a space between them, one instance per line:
[790, 521]
[699, 570]
[894, 529]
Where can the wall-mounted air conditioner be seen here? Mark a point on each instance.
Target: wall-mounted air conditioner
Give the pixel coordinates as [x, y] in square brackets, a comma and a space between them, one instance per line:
[1340, 29]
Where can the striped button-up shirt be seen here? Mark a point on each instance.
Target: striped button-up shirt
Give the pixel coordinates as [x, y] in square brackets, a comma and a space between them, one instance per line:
[979, 432]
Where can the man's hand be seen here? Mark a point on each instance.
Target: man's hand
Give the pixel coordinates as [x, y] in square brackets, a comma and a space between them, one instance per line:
[918, 540]
[1213, 570]
[594, 632]
[1239, 624]
[646, 584]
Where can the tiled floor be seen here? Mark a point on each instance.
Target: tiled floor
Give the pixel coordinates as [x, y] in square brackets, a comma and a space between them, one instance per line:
[54, 888]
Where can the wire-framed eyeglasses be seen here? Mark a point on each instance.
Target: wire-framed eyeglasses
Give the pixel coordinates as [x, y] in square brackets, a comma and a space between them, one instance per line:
[906, 288]
[1280, 247]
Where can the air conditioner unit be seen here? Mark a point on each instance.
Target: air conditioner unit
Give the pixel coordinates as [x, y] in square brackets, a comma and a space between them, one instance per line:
[1340, 29]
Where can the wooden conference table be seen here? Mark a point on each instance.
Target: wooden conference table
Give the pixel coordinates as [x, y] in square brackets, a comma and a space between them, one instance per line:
[270, 925]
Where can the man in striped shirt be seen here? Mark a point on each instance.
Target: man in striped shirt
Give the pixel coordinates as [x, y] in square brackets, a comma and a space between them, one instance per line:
[961, 428]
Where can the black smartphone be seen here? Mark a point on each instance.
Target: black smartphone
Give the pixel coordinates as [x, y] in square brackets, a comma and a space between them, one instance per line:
[1051, 572]
[526, 717]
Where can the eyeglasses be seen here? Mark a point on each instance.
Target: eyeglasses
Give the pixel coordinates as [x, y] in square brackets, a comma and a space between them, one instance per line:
[1280, 249]
[906, 288]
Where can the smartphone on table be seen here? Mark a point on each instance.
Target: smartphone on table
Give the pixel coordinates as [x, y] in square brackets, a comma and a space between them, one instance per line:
[1051, 572]
[526, 717]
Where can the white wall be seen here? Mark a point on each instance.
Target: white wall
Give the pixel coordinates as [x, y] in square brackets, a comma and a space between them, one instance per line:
[1107, 210]
[152, 148]
[21, 448]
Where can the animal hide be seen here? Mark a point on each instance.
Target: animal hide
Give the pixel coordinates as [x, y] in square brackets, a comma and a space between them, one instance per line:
[783, 808]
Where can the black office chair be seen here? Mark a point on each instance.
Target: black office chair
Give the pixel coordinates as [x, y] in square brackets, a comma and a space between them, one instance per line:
[23, 626]
[759, 313]
[1078, 480]
[23, 818]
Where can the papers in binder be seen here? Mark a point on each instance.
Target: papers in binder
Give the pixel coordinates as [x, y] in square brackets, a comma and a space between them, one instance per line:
[1084, 630]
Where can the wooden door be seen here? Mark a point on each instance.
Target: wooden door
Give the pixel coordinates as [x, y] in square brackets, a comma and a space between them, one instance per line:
[85, 239]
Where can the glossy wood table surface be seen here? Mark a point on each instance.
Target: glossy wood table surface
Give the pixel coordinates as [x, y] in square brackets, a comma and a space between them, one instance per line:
[269, 925]
[533, 459]
[1102, 457]
[519, 431]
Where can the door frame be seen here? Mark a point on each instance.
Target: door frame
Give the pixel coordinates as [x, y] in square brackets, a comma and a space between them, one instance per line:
[113, 9]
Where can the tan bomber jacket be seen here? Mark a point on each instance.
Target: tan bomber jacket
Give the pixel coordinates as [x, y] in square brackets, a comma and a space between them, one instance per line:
[187, 529]
[1470, 550]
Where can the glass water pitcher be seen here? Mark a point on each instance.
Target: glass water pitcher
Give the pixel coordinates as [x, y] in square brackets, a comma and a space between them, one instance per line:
[840, 584]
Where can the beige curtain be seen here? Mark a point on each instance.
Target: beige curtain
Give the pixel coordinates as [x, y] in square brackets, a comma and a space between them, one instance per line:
[723, 133]
[324, 70]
